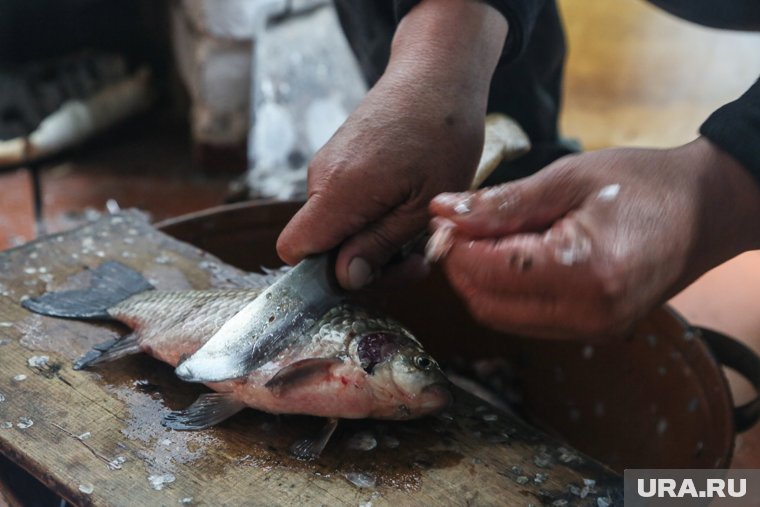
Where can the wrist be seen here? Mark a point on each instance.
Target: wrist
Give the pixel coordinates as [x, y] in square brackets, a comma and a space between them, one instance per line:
[731, 200]
[452, 45]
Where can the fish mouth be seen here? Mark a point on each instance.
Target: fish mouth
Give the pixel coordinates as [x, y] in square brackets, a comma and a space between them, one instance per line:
[436, 397]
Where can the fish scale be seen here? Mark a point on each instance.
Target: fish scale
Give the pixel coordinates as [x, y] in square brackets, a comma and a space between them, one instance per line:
[163, 320]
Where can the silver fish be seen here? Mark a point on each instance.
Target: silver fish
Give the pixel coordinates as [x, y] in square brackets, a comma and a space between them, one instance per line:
[268, 324]
[350, 363]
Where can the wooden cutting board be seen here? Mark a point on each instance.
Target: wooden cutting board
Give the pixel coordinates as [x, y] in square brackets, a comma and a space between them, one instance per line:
[95, 437]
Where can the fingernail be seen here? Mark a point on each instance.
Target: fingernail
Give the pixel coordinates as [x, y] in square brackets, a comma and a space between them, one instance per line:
[439, 243]
[463, 206]
[359, 273]
[460, 202]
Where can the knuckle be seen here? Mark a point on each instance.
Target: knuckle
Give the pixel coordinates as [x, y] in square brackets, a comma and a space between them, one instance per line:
[325, 171]
[383, 239]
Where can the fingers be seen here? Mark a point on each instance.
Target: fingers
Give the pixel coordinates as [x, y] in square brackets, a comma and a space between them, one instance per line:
[547, 284]
[527, 263]
[441, 241]
[530, 204]
[398, 275]
[315, 228]
[318, 227]
[334, 211]
[362, 257]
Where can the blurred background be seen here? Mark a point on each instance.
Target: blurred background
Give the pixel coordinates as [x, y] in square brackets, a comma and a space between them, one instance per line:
[181, 105]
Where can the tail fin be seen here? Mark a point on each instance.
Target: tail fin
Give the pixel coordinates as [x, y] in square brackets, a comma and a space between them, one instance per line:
[112, 283]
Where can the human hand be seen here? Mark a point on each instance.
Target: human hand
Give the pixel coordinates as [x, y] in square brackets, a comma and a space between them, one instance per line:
[591, 243]
[418, 132]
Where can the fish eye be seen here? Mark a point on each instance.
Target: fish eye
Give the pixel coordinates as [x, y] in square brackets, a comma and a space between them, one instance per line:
[424, 362]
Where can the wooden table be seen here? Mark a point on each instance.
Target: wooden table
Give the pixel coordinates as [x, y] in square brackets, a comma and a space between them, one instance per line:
[95, 437]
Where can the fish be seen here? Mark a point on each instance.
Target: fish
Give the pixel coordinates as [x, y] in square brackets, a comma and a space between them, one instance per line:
[351, 363]
[268, 324]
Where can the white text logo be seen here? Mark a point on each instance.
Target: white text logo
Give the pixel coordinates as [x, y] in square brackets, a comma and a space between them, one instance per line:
[662, 488]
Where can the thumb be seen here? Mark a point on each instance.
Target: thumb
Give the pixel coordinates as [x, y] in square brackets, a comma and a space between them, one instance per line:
[363, 256]
[528, 205]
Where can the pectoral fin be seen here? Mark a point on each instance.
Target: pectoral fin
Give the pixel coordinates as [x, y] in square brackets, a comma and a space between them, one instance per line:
[300, 373]
[311, 448]
[109, 351]
[208, 410]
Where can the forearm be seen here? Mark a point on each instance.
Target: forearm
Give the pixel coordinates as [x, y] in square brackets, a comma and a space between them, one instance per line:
[452, 46]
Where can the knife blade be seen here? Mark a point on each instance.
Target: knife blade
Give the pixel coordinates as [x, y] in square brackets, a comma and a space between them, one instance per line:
[269, 324]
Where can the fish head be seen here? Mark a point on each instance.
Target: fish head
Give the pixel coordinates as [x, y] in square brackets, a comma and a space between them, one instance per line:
[404, 380]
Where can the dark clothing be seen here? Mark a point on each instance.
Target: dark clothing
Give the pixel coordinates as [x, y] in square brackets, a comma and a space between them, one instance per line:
[730, 14]
[527, 82]
[735, 127]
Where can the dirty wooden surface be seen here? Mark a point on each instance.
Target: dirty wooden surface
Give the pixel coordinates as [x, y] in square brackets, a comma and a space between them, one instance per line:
[96, 438]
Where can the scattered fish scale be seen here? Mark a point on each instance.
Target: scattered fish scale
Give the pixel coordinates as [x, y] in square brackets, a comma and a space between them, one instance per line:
[362, 441]
[390, 442]
[24, 423]
[160, 481]
[542, 460]
[37, 361]
[361, 479]
[567, 456]
[117, 462]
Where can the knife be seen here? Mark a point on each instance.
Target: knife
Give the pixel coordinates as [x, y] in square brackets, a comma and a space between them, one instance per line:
[288, 308]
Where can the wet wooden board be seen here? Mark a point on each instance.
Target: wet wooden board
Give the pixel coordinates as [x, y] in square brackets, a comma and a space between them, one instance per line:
[96, 438]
